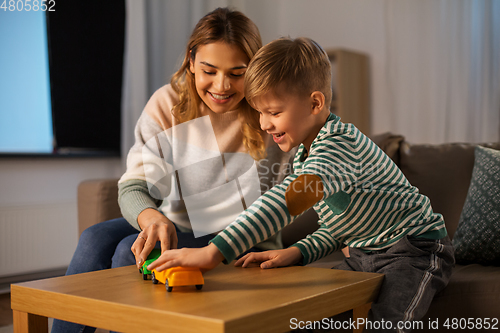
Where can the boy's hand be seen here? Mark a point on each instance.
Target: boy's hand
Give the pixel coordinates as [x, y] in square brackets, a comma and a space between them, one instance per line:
[272, 258]
[205, 258]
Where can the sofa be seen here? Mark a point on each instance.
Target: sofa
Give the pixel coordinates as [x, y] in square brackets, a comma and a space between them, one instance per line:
[441, 172]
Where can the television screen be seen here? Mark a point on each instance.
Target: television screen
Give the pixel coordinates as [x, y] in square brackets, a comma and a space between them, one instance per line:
[61, 78]
[25, 106]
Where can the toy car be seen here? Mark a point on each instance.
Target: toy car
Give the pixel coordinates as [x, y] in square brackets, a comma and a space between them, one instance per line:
[179, 276]
[146, 273]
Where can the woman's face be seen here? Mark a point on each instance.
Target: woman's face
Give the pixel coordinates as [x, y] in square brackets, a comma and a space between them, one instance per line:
[219, 70]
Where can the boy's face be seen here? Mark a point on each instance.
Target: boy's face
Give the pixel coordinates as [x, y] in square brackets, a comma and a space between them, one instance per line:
[288, 118]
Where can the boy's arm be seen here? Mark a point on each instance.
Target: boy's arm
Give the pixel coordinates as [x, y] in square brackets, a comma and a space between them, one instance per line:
[274, 210]
[265, 217]
[262, 219]
[318, 180]
[206, 258]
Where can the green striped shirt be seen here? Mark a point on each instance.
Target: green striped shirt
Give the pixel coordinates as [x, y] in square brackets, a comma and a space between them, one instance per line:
[367, 203]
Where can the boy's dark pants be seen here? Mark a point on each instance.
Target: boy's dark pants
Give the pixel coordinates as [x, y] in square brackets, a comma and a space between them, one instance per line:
[415, 270]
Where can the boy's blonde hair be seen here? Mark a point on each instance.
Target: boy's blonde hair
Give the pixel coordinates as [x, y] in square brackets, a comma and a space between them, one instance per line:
[297, 66]
[234, 28]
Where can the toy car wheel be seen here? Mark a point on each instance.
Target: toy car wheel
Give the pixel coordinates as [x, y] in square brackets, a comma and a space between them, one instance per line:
[153, 278]
[144, 276]
[169, 289]
[199, 286]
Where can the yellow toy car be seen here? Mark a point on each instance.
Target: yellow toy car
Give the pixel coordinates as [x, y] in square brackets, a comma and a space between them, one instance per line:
[179, 276]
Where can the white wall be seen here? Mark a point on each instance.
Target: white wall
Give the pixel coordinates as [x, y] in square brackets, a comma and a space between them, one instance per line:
[38, 215]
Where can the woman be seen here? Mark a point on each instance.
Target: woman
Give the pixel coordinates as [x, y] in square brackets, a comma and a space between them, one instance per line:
[202, 111]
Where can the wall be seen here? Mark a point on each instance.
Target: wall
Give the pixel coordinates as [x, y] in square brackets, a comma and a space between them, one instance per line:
[38, 215]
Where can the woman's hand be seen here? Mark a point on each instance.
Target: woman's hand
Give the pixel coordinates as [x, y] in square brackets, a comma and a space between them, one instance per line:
[205, 258]
[155, 227]
[271, 259]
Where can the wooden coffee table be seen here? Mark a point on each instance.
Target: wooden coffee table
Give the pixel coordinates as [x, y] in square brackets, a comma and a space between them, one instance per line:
[233, 299]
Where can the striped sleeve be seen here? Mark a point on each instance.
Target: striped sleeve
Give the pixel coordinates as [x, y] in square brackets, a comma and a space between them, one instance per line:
[265, 217]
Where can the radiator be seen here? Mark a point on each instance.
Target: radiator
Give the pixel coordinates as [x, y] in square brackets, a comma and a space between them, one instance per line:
[37, 238]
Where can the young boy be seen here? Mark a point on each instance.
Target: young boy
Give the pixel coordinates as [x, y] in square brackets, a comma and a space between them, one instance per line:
[363, 200]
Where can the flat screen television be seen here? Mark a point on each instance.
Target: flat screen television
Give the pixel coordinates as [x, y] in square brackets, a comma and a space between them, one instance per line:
[61, 78]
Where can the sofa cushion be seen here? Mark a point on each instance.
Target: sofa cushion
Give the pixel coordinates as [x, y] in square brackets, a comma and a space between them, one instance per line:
[473, 292]
[477, 239]
[443, 173]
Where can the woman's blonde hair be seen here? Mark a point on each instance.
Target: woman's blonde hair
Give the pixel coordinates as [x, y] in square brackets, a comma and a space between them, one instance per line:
[234, 28]
[298, 66]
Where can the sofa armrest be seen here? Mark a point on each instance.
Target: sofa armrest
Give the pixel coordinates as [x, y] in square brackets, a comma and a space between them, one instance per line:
[97, 202]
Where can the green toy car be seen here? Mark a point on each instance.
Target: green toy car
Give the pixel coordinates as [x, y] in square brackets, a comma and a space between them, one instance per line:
[146, 273]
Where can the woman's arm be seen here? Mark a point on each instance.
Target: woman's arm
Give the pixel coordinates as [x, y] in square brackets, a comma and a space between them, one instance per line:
[145, 182]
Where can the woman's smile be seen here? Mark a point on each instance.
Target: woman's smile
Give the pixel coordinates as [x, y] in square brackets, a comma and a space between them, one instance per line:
[218, 98]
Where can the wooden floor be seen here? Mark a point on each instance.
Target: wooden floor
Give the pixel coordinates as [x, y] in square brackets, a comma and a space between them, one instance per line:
[5, 311]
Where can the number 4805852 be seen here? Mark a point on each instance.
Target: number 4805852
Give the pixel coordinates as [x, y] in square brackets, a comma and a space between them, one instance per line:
[471, 323]
[28, 5]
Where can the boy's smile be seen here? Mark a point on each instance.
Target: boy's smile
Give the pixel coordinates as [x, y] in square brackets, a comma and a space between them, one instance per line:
[278, 137]
[290, 118]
